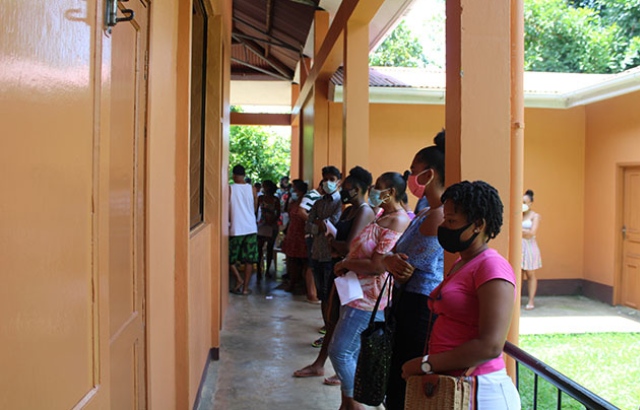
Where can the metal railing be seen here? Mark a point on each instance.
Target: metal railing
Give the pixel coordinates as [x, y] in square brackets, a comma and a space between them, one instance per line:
[564, 384]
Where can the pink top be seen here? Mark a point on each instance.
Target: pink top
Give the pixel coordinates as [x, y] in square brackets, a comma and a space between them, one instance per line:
[458, 305]
[372, 239]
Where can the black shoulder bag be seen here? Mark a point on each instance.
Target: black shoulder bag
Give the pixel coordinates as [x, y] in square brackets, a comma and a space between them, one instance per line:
[374, 361]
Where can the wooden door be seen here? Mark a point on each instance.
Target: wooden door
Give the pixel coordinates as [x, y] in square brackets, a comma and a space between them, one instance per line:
[630, 291]
[127, 210]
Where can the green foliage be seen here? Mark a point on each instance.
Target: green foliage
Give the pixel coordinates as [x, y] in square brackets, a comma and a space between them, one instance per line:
[265, 155]
[400, 49]
[582, 36]
[608, 364]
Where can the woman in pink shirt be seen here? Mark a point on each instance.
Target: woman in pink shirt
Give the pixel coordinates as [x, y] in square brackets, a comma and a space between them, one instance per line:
[365, 259]
[475, 301]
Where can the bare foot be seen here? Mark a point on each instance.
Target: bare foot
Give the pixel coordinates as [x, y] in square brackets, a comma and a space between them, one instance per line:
[309, 371]
[332, 381]
[239, 285]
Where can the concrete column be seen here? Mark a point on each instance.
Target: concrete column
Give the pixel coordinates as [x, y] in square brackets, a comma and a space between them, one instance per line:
[320, 104]
[356, 95]
[478, 102]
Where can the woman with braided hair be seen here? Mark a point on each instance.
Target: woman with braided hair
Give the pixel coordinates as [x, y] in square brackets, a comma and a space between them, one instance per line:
[474, 302]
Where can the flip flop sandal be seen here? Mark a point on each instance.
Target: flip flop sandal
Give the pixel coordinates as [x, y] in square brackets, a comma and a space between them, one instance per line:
[318, 342]
[236, 291]
[322, 330]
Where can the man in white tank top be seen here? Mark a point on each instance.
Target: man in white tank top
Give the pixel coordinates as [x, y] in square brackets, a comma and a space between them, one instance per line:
[243, 229]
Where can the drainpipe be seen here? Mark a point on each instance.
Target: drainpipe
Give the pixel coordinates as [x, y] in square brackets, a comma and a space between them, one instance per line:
[517, 164]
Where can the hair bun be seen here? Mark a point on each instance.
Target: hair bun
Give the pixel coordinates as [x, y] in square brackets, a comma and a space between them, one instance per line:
[529, 193]
[361, 174]
[438, 140]
[406, 175]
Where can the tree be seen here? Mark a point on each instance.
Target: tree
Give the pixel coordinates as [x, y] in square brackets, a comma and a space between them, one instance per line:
[400, 49]
[264, 155]
[581, 36]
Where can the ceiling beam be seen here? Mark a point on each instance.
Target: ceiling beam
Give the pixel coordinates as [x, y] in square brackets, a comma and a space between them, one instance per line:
[268, 24]
[330, 55]
[275, 44]
[260, 69]
[272, 40]
[273, 62]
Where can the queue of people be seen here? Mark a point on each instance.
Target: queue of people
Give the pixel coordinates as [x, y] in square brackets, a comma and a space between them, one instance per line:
[452, 322]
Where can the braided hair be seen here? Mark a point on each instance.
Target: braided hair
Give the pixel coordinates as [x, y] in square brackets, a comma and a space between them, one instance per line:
[477, 200]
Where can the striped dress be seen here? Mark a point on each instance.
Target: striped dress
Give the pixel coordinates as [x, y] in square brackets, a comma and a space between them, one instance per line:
[531, 259]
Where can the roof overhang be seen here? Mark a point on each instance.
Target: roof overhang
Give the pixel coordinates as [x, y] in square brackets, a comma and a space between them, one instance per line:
[607, 86]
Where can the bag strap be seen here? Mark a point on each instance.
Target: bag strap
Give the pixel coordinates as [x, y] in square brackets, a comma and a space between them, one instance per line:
[375, 309]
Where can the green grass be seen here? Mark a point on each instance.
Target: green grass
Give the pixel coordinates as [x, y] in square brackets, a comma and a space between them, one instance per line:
[608, 364]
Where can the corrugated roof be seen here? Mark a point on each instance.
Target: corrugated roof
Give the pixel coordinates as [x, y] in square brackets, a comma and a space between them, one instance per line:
[534, 82]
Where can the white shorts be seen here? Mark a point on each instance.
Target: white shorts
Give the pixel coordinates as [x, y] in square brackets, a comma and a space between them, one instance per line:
[494, 391]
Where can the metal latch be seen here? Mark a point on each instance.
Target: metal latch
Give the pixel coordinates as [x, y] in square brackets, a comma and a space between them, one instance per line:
[111, 14]
[624, 232]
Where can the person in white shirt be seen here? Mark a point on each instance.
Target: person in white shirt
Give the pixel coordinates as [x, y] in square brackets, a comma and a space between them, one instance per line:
[243, 230]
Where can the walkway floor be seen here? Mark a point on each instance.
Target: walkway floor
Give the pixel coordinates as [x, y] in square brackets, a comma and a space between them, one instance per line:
[268, 335]
[577, 314]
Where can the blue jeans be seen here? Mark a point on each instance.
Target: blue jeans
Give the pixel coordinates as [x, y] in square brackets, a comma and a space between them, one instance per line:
[345, 345]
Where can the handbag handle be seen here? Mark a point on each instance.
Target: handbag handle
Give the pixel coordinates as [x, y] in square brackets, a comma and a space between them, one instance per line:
[375, 308]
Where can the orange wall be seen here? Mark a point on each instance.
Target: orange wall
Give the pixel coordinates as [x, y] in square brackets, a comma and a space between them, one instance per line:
[554, 170]
[613, 138]
[199, 305]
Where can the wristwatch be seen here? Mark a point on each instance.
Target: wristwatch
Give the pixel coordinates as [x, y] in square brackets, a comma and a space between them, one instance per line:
[426, 366]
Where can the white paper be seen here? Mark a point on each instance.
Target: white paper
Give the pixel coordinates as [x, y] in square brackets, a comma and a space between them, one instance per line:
[348, 287]
[331, 229]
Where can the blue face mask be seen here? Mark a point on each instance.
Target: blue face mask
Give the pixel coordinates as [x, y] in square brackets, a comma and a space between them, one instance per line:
[374, 197]
[329, 187]
[294, 196]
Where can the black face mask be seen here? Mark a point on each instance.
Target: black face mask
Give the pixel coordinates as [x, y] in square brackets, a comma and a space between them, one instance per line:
[346, 197]
[450, 238]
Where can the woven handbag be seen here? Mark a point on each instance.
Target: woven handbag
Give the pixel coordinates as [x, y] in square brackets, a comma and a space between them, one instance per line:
[437, 392]
[374, 361]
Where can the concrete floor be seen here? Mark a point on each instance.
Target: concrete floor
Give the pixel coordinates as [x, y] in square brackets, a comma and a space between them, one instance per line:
[577, 314]
[268, 335]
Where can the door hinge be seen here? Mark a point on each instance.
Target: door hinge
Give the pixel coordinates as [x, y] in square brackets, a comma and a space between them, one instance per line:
[146, 64]
[624, 232]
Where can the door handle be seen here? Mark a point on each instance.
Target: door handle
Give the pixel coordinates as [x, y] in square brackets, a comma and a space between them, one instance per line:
[111, 14]
[624, 232]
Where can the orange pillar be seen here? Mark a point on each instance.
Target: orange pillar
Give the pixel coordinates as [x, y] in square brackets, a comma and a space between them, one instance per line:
[517, 162]
[478, 101]
[295, 138]
[320, 104]
[356, 96]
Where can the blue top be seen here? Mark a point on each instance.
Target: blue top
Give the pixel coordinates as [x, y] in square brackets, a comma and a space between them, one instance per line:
[425, 254]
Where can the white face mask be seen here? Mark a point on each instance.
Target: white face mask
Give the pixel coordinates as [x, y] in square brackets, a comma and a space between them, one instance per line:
[525, 208]
[329, 187]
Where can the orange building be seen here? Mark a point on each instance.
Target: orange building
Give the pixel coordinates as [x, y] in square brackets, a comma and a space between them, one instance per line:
[582, 142]
[114, 152]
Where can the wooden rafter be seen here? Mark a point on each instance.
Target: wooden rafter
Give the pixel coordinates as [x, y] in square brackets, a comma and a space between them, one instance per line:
[268, 25]
[274, 41]
[273, 62]
[260, 69]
